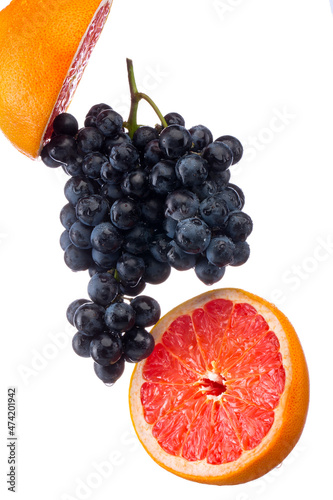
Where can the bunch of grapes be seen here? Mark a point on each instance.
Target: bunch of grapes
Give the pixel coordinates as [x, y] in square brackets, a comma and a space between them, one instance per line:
[138, 204]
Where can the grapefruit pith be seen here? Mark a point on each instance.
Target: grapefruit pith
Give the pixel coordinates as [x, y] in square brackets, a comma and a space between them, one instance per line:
[44, 48]
[224, 396]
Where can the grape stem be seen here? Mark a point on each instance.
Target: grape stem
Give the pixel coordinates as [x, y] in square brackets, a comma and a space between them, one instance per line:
[136, 97]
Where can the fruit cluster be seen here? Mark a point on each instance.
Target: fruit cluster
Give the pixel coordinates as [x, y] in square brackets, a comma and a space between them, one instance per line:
[140, 203]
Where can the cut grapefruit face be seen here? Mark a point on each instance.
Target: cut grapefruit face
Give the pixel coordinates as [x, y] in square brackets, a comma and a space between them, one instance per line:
[44, 49]
[223, 398]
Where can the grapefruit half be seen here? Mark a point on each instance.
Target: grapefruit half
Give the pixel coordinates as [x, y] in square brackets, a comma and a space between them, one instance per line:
[224, 396]
[44, 48]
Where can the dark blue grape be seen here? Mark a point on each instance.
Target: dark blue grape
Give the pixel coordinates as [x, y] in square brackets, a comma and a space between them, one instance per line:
[64, 239]
[46, 158]
[72, 308]
[89, 319]
[77, 187]
[179, 259]
[92, 164]
[135, 183]
[155, 272]
[152, 153]
[79, 235]
[235, 146]
[91, 210]
[103, 288]
[175, 141]
[241, 253]
[120, 316]
[218, 155]
[66, 124]
[159, 247]
[147, 310]
[201, 137]
[124, 157]
[105, 260]
[111, 373]
[106, 348]
[110, 142]
[192, 170]
[138, 344]
[73, 165]
[221, 179]
[138, 239]
[231, 197]
[81, 345]
[106, 238]
[132, 291]
[109, 122]
[95, 268]
[68, 216]
[238, 226]
[143, 135]
[162, 177]
[111, 192]
[125, 213]
[109, 174]
[169, 226]
[192, 235]
[174, 118]
[89, 140]
[130, 268]
[61, 148]
[240, 193]
[207, 272]
[220, 251]
[181, 204]
[214, 211]
[206, 189]
[77, 259]
[94, 112]
[152, 209]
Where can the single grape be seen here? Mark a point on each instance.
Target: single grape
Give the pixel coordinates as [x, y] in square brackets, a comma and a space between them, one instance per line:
[159, 247]
[152, 153]
[109, 122]
[240, 193]
[175, 141]
[125, 213]
[135, 183]
[221, 179]
[73, 306]
[138, 239]
[207, 272]
[169, 226]
[103, 288]
[64, 239]
[138, 344]
[147, 310]
[111, 192]
[120, 316]
[174, 118]
[238, 226]
[130, 268]
[106, 238]
[81, 345]
[105, 260]
[68, 216]
[132, 291]
[231, 197]
[192, 170]
[111, 373]
[192, 235]
[152, 209]
[220, 251]
[106, 348]
[181, 204]
[46, 158]
[241, 253]
[91, 210]
[66, 124]
[95, 268]
[201, 137]
[77, 187]
[110, 142]
[109, 174]
[61, 148]
[89, 319]
[143, 135]
[206, 189]
[77, 259]
[89, 140]
[79, 235]
[73, 165]
[124, 157]
[162, 177]
[235, 146]
[95, 110]
[156, 272]
[214, 211]
[179, 259]
[218, 155]
[92, 164]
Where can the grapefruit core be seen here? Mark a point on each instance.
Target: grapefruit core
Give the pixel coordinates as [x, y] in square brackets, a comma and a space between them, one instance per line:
[224, 396]
[44, 48]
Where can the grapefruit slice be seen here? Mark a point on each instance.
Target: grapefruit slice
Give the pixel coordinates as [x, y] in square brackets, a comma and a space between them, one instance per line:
[224, 396]
[44, 49]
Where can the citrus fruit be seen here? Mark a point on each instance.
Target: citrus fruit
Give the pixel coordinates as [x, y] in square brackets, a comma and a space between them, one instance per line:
[44, 48]
[223, 398]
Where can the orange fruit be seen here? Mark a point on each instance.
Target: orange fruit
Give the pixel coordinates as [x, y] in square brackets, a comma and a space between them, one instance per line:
[44, 48]
[224, 396]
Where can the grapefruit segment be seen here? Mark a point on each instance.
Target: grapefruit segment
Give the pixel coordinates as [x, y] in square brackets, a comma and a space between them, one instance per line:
[223, 397]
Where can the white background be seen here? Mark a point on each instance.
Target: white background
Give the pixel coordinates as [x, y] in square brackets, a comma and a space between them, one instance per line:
[261, 71]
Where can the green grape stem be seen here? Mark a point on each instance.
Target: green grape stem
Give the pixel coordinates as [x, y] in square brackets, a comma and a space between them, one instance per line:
[136, 97]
